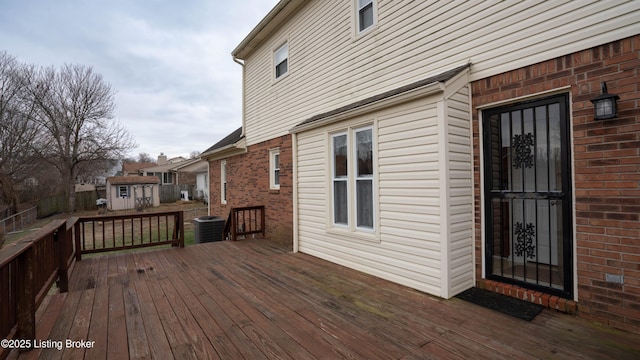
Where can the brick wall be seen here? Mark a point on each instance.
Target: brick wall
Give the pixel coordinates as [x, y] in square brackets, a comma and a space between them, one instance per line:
[248, 185]
[186, 178]
[607, 171]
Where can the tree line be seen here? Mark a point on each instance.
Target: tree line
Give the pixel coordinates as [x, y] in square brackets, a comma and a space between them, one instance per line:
[57, 128]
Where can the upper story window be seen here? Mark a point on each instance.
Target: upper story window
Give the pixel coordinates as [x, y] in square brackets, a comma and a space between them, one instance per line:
[366, 12]
[281, 60]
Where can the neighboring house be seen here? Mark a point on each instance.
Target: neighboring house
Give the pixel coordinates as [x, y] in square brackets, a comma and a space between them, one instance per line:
[169, 171]
[133, 168]
[199, 169]
[445, 145]
[132, 192]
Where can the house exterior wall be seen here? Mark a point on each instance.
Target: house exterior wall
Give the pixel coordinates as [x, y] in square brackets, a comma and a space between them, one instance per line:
[248, 185]
[423, 237]
[202, 186]
[185, 178]
[459, 192]
[424, 207]
[606, 172]
[411, 40]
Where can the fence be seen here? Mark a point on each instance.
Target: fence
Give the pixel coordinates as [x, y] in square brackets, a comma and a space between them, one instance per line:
[171, 193]
[19, 221]
[85, 200]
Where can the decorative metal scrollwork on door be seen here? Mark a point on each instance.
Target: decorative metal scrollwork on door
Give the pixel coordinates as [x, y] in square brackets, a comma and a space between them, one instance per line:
[523, 149]
[525, 234]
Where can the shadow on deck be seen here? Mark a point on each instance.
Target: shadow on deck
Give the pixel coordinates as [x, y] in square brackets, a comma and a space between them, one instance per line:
[253, 299]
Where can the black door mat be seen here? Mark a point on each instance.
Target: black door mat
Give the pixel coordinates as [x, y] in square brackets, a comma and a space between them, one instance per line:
[507, 305]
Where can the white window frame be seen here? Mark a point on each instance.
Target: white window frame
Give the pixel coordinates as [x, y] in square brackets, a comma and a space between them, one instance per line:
[167, 178]
[274, 167]
[352, 179]
[127, 194]
[360, 5]
[223, 181]
[277, 54]
[357, 177]
[335, 179]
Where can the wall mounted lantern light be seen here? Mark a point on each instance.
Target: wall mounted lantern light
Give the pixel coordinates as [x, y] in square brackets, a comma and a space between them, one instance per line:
[605, 105]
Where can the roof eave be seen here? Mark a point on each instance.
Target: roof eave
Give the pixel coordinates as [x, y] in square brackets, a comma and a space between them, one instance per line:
[433, 85]
[278, 15]
[426, 90]
[237, 148]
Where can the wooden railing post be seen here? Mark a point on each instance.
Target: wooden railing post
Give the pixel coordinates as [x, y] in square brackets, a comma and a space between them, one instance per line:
[26, 303]
[233, 224]
[181, 225]
[227, 228]
[60, 240]
[76, 233]
[262, 217]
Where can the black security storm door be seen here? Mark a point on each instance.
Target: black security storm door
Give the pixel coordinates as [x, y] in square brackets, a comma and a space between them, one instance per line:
[527, 195]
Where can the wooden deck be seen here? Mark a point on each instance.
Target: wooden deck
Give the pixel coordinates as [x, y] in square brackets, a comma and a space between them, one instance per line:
[252, 299]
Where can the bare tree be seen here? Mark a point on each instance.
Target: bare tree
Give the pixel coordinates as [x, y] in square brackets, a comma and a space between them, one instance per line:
[75, 108]
[194, 155]
[90, 171]
[17, 131]
[144, 158]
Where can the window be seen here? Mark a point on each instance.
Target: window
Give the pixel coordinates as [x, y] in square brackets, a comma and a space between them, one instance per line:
[352, 179]
[123, 191]
[364, 178]
[339, 171]
[274, 169]
[223, 182]
[167, 178]
[281, 60]
[365, 14]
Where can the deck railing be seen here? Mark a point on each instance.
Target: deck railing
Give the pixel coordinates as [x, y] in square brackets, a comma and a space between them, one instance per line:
[30, 266]
[95, 234]
[28, 270]
[244, 221]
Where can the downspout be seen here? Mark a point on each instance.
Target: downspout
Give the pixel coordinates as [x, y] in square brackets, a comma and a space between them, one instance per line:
[238, 61]
[294, 178]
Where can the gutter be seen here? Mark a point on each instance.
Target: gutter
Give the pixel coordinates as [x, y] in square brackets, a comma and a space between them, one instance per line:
[238, 61]
[256, 34]
[239, 147]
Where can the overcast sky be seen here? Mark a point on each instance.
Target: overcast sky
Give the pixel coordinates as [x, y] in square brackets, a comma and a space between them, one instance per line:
[177, 87]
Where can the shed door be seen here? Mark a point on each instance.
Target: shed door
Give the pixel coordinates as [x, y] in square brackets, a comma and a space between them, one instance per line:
[528, 195]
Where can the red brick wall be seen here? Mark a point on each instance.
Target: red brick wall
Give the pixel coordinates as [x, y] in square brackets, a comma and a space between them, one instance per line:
[606, 165]
[186, 178]
[248, 185]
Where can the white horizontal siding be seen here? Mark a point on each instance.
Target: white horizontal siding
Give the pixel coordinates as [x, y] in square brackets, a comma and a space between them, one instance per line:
[460, 190]
[330, 67]
[407, 249]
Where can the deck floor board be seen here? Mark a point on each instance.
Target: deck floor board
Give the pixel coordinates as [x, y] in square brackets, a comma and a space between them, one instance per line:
[254, 299]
